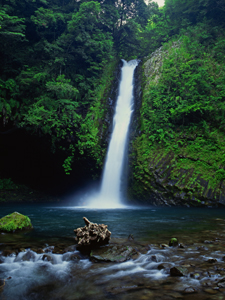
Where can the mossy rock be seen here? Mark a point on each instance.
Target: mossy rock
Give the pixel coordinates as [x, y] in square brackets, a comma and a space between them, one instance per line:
[173, 242]
[15, 222]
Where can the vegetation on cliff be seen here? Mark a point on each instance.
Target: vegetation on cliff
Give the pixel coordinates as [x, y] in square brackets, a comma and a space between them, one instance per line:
[179, 156]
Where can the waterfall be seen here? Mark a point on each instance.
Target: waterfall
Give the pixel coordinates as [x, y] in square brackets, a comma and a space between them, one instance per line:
[110, 195]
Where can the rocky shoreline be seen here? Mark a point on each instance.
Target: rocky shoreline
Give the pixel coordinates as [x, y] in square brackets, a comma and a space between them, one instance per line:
[196, 265]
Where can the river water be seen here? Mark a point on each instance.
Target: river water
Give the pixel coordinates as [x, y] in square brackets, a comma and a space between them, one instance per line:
[28, 275]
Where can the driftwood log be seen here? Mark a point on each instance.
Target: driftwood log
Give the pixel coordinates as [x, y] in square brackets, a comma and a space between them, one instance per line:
[91, 236]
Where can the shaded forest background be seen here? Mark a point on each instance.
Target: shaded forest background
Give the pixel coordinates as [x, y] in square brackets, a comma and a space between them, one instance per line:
[59, 60]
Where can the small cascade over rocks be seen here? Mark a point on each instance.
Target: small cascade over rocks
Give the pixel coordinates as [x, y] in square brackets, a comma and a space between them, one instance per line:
[110, 195]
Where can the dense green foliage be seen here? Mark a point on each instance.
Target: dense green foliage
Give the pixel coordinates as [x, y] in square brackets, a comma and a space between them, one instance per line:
[182, 114]
[58, 60]
[55, 62]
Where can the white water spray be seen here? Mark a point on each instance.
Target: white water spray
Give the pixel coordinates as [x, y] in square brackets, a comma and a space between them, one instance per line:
[110, 194]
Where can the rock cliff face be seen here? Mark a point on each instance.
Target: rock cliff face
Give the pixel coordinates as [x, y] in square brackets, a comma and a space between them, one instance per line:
[178, 172]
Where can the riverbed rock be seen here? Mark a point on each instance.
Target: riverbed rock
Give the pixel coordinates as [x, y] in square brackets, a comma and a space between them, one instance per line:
[189, 290]
[113, 253]
[178, 271]
[28, 256]
[48, 257]
[15, 222]
[173, 242]
[73, 257]
[164, 246]
[92, 236]
[165, 266]
[212, 260]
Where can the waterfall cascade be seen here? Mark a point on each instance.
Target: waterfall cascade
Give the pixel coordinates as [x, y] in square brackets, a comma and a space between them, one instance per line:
[110, 195]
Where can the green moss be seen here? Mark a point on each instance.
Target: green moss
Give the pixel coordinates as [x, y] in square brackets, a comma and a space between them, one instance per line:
[181, 149]
[15, 221]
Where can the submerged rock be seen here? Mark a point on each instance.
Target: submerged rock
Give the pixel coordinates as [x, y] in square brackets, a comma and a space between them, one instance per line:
[92, 236]
[15, 222]
[48, 257]
[212, 260]
[178, 271]
[113, 253]
[190, 290]
[28, 256]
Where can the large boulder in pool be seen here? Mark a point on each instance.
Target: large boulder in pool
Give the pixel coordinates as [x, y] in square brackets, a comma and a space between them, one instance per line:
[15, 222]
[92, 236]
[113, 253]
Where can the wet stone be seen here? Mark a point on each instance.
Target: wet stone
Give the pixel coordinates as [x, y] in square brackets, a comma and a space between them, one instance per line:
[190, 290]
[173, 242]
[164, 266]
[212, 260]
[113, 253]
[195, 275]
[47, 257]
[164, 246]
[71, 248]
[28, 256]
[178, 271]
[154, 258]
[74, 257]
[49, 249]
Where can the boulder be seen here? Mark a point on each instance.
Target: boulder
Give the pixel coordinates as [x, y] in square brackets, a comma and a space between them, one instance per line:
[113, 253]
[212, 260]
[92, 236]
[15, 222]
[173, 242]
[178, 271]
[48, 257]
[29, 256]
[190, 290]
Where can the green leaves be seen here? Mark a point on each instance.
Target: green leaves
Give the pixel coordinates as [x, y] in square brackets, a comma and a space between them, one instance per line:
[11, 26]
[55, 113]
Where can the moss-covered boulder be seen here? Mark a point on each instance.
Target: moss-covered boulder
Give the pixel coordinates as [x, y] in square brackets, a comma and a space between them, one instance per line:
[15, 222]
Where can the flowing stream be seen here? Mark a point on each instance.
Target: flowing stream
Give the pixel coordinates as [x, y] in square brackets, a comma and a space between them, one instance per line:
[110, 195]
[44, 264]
